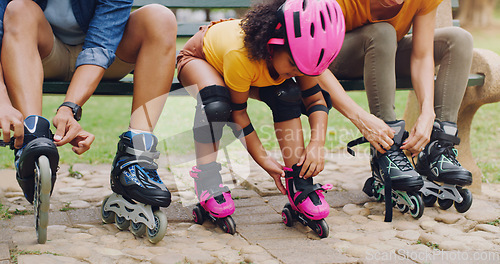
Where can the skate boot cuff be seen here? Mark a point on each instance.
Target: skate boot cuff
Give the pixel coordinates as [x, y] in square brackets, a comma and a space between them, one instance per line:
[36, 127]
[140, 145]
[441, 135]
[209, 181]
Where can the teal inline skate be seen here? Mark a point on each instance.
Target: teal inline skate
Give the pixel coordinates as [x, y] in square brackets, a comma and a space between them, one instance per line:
[444, 177]
[393, 180]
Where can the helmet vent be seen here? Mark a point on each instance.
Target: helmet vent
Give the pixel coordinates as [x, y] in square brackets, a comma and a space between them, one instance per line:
[296, 24]
[304, 5]
[329, 14]
[312, 30]
[320, 56]
[323, 25]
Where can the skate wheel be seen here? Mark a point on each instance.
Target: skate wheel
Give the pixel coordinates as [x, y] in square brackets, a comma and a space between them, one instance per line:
[286, 215]
[121, 223]
[445, 203]
[403, 208]
[138, 229]
[378, 193]
[321, 228]
[418, 205]
[107, 217]
[198, 215]
[43, 186]
[429, 200]
[156, 234]
[467, 200]
[227, 224]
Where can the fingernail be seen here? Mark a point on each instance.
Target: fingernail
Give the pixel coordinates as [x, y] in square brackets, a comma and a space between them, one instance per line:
[57, 137]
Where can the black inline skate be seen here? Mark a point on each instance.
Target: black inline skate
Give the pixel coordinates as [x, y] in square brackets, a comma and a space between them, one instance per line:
[444, 177]
[36, 166]
[138, 190]
[393, 178]
[215, 201]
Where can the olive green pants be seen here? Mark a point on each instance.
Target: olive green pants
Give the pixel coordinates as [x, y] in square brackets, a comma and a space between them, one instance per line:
[373, 53]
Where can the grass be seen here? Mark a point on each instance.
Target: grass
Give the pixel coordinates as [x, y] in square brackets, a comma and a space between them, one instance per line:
[15, 253]
[4, 213]
[107, 117]
[488, 37]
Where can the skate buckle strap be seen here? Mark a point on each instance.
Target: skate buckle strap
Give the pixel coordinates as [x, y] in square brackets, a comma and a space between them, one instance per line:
[218, 190]
[443, 136]
[127, 162]
[307, 190]
[139, 153]
[355, 142]
[327, 186]
[213, 192]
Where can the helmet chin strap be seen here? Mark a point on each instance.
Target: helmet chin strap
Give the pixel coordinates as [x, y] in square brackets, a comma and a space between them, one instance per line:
[276, 41]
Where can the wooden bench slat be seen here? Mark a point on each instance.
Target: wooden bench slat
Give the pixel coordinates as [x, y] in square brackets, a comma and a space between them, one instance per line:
[189, 29]
[126, 87]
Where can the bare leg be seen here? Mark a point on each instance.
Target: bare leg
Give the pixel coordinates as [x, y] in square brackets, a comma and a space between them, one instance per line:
[291, 140]
[201, 74]
[28, 38]
[149, 42]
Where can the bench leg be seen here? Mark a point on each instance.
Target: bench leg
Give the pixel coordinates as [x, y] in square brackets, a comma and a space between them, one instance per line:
[465, 157]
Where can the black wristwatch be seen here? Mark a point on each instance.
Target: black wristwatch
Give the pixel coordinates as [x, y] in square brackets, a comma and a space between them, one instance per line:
[77, 110]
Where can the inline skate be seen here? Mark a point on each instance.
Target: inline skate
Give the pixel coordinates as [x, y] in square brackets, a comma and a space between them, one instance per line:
[444, 177]
[36, 165]
[138, 192]
[307, 203]
[393, 179]
[215, 202]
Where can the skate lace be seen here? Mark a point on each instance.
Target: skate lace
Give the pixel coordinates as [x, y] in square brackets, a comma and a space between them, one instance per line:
[449, 152]
[399, 158]
[152, 174]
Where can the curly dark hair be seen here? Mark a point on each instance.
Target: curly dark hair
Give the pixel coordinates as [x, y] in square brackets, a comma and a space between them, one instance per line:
[259, 26]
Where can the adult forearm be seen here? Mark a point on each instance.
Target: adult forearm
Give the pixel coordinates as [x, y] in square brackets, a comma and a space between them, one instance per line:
[422, 76]
[340, 99]
[84, 83]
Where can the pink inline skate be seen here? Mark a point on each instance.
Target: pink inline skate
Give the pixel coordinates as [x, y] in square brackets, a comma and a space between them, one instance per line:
[307, 202]
[215, 199]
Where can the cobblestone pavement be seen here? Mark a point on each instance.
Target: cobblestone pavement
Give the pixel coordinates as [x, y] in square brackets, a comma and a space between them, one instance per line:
[358, 233]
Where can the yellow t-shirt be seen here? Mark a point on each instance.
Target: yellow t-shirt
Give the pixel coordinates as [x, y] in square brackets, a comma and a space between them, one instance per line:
[224, 50]
[357, 13]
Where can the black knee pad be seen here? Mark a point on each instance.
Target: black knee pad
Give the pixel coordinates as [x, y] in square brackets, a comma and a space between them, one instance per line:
[284, 100]
[312, 91]
[212, 113]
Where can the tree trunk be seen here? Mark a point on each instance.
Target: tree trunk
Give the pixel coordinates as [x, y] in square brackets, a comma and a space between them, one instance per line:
[476, 13]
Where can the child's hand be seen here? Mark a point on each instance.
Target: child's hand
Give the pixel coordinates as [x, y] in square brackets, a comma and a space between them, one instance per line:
[312, 160]
[276, 171]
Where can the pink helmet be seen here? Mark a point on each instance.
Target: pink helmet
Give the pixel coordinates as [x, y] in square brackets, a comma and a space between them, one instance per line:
[315, 32]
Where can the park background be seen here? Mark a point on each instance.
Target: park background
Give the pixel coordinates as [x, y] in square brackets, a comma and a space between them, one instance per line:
[107, 117]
